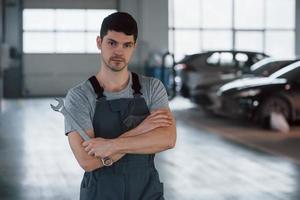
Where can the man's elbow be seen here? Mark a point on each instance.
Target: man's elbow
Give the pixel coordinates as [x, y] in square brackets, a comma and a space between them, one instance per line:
[172, 140]
[172, 144]
[86, 166]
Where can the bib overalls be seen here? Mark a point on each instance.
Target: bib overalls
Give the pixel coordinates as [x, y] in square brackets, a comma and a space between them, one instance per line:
[133, 177]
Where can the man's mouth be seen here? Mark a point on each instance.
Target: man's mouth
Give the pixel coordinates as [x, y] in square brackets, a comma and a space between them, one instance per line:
[117, 59]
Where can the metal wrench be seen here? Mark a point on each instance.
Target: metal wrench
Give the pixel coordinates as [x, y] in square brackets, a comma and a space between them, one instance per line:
[61, 108]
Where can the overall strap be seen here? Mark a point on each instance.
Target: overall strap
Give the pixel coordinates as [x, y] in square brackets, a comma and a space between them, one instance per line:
[97, 88]
[136, 86]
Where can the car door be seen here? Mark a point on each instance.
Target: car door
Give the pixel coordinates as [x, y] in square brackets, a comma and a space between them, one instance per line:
[223, 65]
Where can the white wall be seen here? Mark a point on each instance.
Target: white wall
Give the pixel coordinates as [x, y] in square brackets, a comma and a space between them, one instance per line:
[53, 74]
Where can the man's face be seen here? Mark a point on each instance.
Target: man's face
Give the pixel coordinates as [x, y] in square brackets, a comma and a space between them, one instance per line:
[116, 50]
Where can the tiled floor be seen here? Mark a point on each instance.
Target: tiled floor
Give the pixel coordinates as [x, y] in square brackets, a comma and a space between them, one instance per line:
[37, 163]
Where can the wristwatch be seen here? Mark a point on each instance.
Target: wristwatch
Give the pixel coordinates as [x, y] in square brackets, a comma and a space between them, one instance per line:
[107, 161]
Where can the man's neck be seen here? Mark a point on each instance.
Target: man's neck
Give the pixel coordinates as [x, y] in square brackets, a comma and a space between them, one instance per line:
[113, 81]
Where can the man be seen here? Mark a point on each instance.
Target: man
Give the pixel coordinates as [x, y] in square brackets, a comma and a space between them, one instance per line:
[126, 115]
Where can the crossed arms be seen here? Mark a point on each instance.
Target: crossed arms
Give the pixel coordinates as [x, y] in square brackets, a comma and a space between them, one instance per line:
[155, 134]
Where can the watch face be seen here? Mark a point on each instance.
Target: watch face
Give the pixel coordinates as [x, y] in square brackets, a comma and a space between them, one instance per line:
[107, 161]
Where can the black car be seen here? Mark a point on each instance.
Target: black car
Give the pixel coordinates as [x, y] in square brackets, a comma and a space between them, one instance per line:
[257, 97]
[213, 67]
[206, 97]
[268, 66]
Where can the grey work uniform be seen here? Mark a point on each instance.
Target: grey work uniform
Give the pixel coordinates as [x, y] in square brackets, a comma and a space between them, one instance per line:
[134, 176]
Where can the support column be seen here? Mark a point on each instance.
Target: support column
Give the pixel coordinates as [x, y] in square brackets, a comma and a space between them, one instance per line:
[12, 33]
[297, 34]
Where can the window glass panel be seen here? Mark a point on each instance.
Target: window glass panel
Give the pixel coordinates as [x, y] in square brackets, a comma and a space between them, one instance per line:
[187, 13]
[37, 42]
[226, 60]
[170, 13]
[70, 19]
[95, 18]
[241, 57]
[91, 43]
[171, 40]
[249, 14]
[214, 59]
[280, 44]
[280, 14]
[71, 30]
[215, 40]
[249, 41]
[38, 19]
[70, 42]
[186, 42]
[217, 14]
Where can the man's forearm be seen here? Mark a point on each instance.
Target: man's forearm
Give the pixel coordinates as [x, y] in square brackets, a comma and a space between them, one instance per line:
[96, 163]
[153, 141]
[156, 133]
[130, 133]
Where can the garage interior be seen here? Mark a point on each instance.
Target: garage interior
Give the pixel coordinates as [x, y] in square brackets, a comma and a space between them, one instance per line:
[45, 52]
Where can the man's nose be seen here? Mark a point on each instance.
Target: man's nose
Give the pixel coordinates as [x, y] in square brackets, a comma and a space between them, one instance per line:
[119, 50]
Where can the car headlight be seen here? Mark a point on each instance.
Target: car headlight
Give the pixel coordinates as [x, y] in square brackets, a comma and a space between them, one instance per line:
[248, 93]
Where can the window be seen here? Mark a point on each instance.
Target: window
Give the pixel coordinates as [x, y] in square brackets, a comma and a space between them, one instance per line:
[217, 14]
[280, 14]
[249, 14]
[187, 42]
[216, 40]
[266, 26]
[226, 59]
[249, 40]
[184, 12]
[280, 43]
[62, 30]
[214, 59]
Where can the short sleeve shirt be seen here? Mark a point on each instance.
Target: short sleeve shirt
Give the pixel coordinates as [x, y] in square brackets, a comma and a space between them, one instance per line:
[80, 100]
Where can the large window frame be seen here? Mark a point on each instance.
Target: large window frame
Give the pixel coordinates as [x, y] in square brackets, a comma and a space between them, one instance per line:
[61, 37]
[235, 31]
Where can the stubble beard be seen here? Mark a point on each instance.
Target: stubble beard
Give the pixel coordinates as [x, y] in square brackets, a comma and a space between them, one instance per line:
[115, 68]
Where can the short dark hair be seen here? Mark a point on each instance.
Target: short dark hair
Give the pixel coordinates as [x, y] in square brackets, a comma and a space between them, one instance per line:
[120, 22]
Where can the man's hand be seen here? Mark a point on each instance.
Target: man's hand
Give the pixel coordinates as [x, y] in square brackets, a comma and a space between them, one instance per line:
[99, 147]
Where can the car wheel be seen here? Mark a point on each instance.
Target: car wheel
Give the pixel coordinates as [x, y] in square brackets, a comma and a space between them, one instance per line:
[273, 104]
[184, 91]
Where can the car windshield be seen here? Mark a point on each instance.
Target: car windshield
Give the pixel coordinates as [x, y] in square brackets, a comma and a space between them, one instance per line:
[271, 67]
[289, 72]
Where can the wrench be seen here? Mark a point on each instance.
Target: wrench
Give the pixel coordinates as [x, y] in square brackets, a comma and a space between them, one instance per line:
[61, 108]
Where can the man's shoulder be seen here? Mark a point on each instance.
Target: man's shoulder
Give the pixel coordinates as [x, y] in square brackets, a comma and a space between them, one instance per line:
[82, 89]
[148, 81]
[154, 92]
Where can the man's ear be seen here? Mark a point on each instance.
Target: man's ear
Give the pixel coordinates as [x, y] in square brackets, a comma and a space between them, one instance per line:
[99, 42]
[135, 44]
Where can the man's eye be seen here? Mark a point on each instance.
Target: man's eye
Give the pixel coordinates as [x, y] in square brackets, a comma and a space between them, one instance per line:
[128, 45]
[111, 43]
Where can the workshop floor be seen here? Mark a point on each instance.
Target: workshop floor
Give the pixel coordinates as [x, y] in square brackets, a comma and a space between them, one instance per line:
[214, 159]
